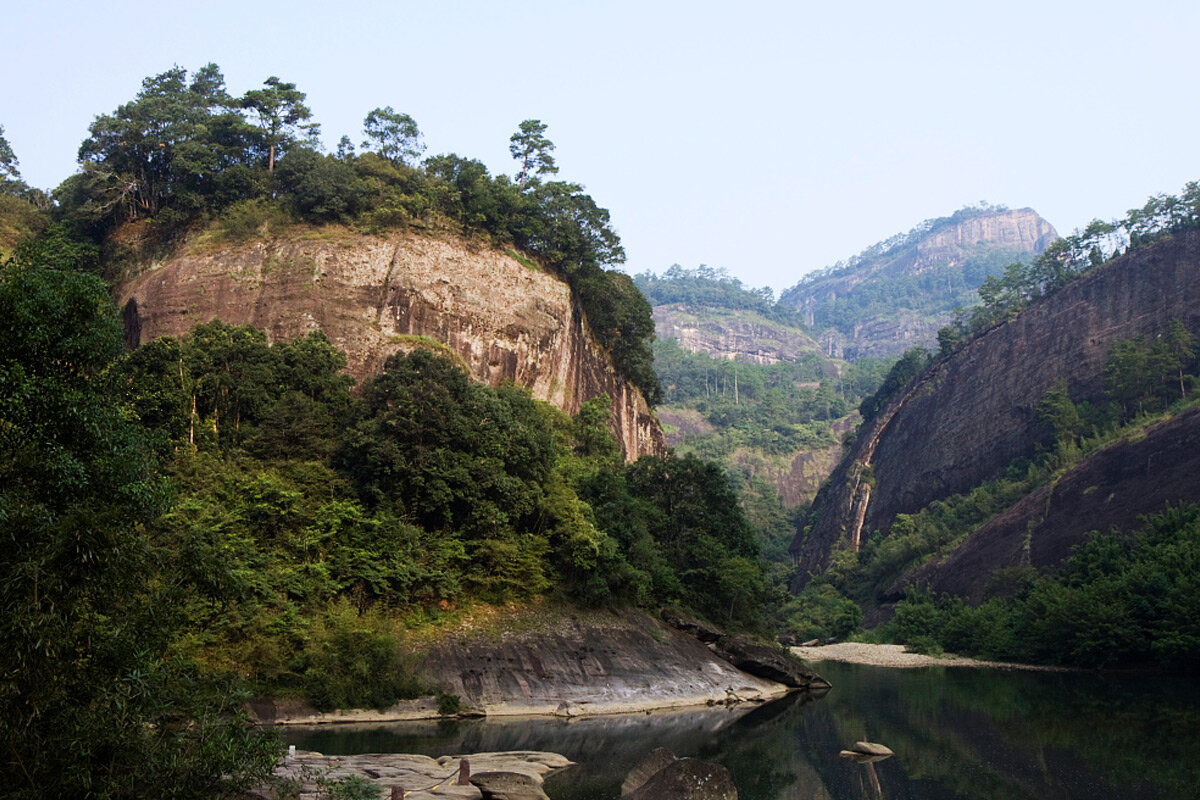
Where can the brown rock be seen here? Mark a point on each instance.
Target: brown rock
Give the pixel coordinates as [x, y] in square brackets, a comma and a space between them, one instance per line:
[374, 296]
[654, 762]
[687, 779]
[508, 786]
[769, 663]
[972, 414]
[872, 749]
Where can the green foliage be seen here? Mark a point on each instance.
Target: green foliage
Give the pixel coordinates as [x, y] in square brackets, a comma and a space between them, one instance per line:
[349, 787]
[349, 663]
[820, 611]
[281, 114]
[395, 136]
[713, 288]
[1020, 284]
[93, 702]
[165, 154]
[901, 374]
[1121, 600]
[184, 149]
[887, 286]
[530, 147]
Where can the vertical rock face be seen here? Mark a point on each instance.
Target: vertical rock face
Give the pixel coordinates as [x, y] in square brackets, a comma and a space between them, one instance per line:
[375, 296]
[969, 416]
[728, 334]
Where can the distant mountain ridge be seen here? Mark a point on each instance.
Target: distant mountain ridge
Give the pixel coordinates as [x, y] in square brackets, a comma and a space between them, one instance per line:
[897, 293]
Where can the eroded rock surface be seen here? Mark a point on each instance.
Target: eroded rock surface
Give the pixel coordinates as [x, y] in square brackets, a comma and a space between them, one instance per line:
[769, 663]
[309, 776]
[373, 296]
[601, 663]
[686, 779]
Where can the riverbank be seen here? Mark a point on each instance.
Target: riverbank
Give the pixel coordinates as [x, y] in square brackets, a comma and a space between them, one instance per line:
[894, 655]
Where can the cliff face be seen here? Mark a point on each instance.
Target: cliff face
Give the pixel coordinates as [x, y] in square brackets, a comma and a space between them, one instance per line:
[373, 296]
[899, 295]
[1117, 485]
[606, 663]
[969, 416]
[729, 334]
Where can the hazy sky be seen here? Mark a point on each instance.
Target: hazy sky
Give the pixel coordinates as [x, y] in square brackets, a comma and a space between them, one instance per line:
[771, 138]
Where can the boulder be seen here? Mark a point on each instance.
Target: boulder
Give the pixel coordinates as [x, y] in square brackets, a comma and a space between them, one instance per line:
[498, 785]
[872, 749]
[692, 626]
[654, 762]
[687, 779]
[771, 663]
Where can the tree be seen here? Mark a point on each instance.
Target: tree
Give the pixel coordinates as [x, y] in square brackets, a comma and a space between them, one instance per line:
[92, 703]
[1180, 352]
[531, 149]
[396, 136]
[10, 176]
[168, 148]
[281, 113]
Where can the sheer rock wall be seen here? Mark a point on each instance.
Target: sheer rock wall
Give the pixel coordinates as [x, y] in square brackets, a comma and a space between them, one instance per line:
[373, 296]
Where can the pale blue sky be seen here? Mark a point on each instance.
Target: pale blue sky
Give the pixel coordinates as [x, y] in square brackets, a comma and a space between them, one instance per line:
[770, 138]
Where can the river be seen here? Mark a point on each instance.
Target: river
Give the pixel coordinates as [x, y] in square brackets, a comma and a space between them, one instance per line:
[957, 733]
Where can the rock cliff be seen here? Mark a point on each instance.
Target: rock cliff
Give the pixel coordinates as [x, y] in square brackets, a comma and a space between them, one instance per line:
[897, 294]
[730, 334]
[1113, 488]
[968, 416]
[373, 296]
[595, 664]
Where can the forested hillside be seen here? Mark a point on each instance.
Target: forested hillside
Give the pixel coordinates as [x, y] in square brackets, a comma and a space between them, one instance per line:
[1039, 468]
[745, 386]
[215, 514]
[897, 293]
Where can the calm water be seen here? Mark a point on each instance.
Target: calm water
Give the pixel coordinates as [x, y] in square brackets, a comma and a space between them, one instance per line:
[957, 733]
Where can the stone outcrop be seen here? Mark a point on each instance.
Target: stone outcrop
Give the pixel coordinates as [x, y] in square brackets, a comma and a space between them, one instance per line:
[968, 416]
[373, 296]
[509, 776]
[677, 779]
[594, 664]
[730, 334]
[770, 663]
[946, 249]
[1113, 488]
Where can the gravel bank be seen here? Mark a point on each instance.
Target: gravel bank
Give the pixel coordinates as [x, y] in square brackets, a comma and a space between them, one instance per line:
[893, 655]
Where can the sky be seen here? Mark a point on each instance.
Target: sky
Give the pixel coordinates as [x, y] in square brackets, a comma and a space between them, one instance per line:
[768, 138]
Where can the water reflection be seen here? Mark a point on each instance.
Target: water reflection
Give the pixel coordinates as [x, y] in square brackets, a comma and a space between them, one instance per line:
[956, 733]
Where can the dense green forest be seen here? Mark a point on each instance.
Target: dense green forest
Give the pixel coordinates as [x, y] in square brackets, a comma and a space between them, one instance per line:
[753, 419]
[213, 515]
[213, 511]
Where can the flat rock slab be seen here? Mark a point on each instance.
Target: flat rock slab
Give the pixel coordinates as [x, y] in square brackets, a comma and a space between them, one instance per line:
[309, 776]
[496, 785]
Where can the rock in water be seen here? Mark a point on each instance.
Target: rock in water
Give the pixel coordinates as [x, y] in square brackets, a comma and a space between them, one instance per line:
[498, 785]
[654, 762]
[771, 663]
[687, 779]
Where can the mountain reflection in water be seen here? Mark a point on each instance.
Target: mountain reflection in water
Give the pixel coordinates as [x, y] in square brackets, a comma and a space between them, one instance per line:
[957, 733]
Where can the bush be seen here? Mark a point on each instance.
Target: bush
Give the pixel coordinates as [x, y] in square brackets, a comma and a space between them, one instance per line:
[349, 663]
